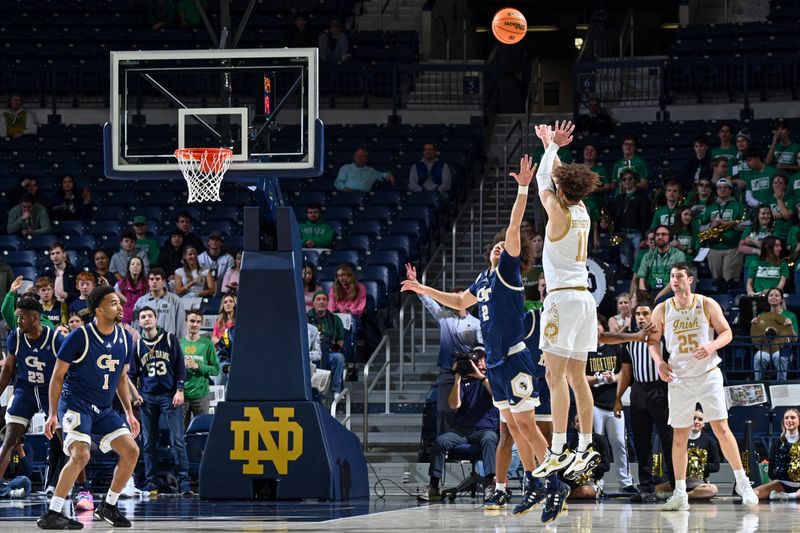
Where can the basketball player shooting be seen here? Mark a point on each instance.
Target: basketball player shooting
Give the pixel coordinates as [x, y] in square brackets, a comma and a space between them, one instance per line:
[499, 293]
[688, 322]
[566, 342]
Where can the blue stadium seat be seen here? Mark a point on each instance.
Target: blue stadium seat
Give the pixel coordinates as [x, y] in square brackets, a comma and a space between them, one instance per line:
[375, 212]
[9, 243]
[122, 198]
[28, 273]
[337, 257]
[308, 197]
[381, 274]
[387, 258]
[371, 228]
[376, 298]
[299, 213]
[311, 256]
[420, 213]
[234, 243]
[355, 242]
[40, 242]
[411, 229]
[108, 212]
[760, 417]
[385, 197]
[21, 258]
[68, 227]
[207, 226]
[398, 243]
[338, 212]
[149, 212]
[347, 198]
[326, 273]
[80, 243]
[325, 284]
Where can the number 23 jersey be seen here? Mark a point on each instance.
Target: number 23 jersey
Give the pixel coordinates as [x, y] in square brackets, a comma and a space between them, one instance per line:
[97, 363]
[35, 358]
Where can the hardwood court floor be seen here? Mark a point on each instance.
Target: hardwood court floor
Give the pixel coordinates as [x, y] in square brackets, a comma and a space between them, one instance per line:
[190, 514]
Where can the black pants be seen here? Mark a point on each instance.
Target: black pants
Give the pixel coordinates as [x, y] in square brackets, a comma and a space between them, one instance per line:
[445, 417]
[55, 460]
[650, 406]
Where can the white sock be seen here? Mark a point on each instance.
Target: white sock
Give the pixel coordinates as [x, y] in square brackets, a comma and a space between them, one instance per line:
[559, 442]
[680, 486]
[500, 487]
[741, 479]
[112, 497]
[57, 504]
[584, 440]
[792, 495]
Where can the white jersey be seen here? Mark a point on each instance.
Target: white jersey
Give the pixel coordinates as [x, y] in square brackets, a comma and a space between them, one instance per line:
[685, 330]
[564, 258]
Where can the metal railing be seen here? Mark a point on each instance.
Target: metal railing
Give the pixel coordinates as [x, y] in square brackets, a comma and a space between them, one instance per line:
[344, 395]
[408, 303]
[738, 357]
[626, 35]
[441, 273]
[384, 369]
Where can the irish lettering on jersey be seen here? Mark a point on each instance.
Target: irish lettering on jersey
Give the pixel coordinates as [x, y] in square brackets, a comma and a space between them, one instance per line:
[685, 330]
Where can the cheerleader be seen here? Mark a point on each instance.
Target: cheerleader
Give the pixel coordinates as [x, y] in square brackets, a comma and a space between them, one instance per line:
[784, 461]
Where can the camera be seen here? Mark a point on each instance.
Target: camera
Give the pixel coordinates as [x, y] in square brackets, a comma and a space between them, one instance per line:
[464, 360]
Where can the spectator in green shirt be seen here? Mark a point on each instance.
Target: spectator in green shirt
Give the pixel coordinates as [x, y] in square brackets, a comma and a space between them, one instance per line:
[724, 259]
[793, 248]
[758, 179]
[750, 244]
[314, 233]
[648, 243]
[685, 232]
[632, 161]
[702, 196]
[725, 148]
[594, 202]
[144, 242]
[656, 264]
[782, 206]
[783, 152]
[769, 271]
[201, 361]
[665, 215]
[738, 164]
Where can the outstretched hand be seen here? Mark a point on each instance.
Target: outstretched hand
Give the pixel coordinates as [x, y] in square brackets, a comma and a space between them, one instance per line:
[411, 272]
[526, 171]
[562, 135]
[413, 286]
[545, 133]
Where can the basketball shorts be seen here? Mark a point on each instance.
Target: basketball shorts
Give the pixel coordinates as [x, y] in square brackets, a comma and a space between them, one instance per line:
[514, 383]
[705, 389]
[26, 402]
[543, 412]
[82, 421]
[569, 324]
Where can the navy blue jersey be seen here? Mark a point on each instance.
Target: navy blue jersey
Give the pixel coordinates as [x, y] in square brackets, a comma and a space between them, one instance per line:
[36, 359]
[500, 308]
[97, 363]
[159, 363]
[530, 322]
[54, 313]
[82, 308]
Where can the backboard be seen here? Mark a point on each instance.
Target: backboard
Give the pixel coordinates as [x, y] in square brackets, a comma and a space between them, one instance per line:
[261, 103]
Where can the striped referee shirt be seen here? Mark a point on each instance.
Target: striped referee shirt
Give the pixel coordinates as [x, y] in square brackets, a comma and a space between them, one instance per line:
[644, 368]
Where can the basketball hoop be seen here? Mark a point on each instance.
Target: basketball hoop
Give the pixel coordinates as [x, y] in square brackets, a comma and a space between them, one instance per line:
[203, 169]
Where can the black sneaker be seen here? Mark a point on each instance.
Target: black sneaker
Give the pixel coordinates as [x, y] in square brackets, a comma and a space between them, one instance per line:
[530, 499]
[644, 497]
[555, 502]
[629, 489]
[498, 500]
[431, 494]
[111, 514]
[54, 520]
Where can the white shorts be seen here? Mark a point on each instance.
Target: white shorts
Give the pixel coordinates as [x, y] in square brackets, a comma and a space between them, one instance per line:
[705, 389]
[569, 324]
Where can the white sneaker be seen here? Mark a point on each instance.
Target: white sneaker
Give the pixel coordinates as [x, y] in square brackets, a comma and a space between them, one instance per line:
[779, 496]
[16, 494]
[677, 502]
[554, 463]
[583, 463]
[130, 490]
[748, 495]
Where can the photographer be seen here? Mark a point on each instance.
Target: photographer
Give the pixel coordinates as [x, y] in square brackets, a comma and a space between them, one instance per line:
[331, 333]
[458, 332]
[476, 420]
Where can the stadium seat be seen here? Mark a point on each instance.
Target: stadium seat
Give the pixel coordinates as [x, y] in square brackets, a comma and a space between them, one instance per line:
[381, 274]
[311, 256]
[385, 197]
[40, 242]
[9, 243]
[80, 243]
[355, 242]
[21, 258]
[420, 213]
[338, 212]
[68, 227]
[376, 298]
[758, 415]
[398, 243]
[387, 258]
[375, 212]
[347, 198]
[370, 228]
[338, 257]
[326, 273]
[28, 273]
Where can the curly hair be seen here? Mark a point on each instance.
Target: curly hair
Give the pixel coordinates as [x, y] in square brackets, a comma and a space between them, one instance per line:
[30, 303]
[576, 180]
[525, 250]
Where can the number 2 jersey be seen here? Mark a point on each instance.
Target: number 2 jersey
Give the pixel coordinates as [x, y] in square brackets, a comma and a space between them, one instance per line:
[36, 359]
[501, 310]
[564, 258]
[685, 330]
[97, 363]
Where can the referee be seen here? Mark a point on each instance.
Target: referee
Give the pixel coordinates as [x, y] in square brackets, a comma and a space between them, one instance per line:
[649, 406]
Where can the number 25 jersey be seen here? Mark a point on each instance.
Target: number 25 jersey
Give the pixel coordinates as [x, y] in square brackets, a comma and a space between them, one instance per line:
[685, 330]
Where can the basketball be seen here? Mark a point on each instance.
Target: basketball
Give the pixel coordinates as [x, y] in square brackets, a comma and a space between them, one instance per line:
[509, 25]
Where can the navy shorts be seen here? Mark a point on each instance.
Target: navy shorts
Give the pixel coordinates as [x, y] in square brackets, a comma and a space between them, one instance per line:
[514, 383]
[788, 489]
[543, 412]
[82, 421]
[26, 402]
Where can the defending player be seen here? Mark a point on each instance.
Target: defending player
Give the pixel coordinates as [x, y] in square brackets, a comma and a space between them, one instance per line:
[32, 350]
[499, 293]
[88, 374]
[569, 330]
[687, 322]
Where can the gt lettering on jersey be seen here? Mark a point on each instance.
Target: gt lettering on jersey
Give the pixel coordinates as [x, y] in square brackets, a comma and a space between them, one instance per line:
[36, 358]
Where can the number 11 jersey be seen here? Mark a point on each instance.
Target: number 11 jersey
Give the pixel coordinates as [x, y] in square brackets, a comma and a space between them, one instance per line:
[564, 258]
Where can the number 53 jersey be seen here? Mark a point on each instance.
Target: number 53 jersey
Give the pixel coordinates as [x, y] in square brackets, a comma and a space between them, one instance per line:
[97, 363]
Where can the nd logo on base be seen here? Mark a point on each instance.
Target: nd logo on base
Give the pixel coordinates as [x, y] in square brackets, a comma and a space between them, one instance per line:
[282, 440]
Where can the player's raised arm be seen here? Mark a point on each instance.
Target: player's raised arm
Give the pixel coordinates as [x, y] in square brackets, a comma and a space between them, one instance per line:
[460, 301]
[552, 139]
[654, 344]
[523, 179]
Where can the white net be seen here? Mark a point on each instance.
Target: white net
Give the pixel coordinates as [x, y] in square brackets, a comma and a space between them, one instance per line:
[203, 170]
